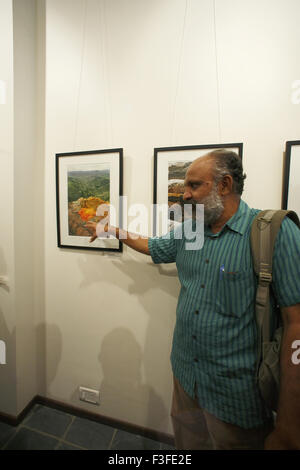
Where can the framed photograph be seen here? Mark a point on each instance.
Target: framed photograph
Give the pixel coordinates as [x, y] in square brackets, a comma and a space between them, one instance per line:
[291, 182]
[88, 186]
[170, 166]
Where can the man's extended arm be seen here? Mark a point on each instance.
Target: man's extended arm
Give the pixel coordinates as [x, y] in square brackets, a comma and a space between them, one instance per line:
[287, 431]
[134, 241]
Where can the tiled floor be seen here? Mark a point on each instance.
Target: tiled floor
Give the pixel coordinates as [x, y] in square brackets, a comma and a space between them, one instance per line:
[49, 429]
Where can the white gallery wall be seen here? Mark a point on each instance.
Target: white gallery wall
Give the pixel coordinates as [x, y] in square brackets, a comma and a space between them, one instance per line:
[138, 74]
[21, 196]
[8, 395]
[25, 193]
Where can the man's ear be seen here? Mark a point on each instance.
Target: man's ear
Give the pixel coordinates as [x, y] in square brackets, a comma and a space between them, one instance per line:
[226, 185]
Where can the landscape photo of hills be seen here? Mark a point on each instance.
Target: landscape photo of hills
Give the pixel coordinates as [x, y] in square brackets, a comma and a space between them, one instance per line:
[176, 175]
[87, 189]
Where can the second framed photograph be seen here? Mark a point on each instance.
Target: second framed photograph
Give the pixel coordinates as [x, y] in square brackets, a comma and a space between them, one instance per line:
[88, 188]
[291, 183]
[170, 166]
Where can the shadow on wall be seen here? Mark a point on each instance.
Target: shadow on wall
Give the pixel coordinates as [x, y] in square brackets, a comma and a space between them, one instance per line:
[121, 358]
[141, 271]
[47, 366]
[3, 270]
[5, 341]
[8, 390]
[146, 282]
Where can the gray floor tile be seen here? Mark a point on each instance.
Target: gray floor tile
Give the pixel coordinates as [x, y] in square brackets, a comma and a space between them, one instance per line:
[126, 441]
[65, 446]
[30, 413]
[84, 433]
[166, 447]
[25, 439]
[89, 434]
[6, 431]
[49, 420]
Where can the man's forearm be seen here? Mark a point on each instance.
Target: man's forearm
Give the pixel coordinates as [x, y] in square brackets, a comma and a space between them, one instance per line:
[288, 417]
[134, 241]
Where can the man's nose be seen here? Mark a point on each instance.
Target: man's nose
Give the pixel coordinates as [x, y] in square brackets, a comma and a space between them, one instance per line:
[187, 195]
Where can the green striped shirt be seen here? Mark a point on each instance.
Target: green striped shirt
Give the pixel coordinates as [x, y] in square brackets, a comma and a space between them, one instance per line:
[214, 342]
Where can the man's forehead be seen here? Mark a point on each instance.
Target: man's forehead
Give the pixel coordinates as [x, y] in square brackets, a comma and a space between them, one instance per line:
[201, 167]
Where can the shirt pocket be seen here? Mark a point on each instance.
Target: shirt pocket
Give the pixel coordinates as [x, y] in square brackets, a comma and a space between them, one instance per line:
[235, 292]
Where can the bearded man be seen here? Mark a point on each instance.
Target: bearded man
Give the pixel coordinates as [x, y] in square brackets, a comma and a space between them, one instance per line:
[216, 402]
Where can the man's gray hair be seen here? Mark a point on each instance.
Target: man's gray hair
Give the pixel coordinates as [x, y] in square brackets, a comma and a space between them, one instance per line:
[227, 162]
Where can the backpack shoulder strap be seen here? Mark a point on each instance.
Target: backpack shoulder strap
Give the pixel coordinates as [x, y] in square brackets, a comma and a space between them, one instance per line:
[264, 230]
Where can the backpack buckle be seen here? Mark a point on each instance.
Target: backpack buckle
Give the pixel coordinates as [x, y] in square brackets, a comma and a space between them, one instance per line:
[265, 277]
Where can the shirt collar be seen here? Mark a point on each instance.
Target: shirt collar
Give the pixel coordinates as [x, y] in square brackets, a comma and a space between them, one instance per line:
[240, 220]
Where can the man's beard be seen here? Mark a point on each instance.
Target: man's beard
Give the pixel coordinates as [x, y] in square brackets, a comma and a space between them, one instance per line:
[213, 206]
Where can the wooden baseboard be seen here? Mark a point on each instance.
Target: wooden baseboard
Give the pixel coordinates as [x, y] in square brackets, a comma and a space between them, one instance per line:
[16, 420]
[149, 433]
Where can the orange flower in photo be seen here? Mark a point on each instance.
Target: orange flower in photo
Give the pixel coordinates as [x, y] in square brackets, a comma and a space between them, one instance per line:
[87, 213]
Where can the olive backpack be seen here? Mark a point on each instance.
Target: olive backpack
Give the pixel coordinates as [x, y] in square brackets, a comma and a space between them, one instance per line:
[264, 230]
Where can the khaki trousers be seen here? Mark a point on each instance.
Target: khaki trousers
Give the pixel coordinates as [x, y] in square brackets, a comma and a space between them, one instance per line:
[195, 428]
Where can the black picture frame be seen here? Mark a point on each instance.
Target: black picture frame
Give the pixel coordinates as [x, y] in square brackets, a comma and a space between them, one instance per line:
[291, 171]
[162, 153]
[93, 164]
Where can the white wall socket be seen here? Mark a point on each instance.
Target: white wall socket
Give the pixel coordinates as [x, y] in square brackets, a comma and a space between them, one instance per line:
[89, 395]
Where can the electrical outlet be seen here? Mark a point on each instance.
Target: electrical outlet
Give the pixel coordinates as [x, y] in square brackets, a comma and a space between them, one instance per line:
[89, 395]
